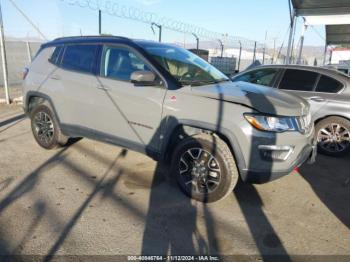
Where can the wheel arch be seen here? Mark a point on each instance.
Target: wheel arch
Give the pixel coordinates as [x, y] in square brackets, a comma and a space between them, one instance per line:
[187, 128]
[332, 115]
[33, 98]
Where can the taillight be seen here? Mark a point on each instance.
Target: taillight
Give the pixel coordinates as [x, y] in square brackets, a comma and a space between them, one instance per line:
[25, 72]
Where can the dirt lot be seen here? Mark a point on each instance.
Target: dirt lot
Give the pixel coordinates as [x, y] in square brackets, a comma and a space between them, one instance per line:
[95, 199]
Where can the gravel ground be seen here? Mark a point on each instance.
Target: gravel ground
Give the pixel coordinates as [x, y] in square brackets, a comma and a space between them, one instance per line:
[96, 199]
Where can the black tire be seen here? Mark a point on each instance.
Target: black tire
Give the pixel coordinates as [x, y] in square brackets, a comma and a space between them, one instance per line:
[54, 137]
[334, 148]
[201, 188]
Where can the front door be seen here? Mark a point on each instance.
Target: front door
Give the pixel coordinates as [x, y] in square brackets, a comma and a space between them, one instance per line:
[133, 113]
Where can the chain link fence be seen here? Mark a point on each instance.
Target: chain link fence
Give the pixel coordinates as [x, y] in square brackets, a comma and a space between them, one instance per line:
[18, 55]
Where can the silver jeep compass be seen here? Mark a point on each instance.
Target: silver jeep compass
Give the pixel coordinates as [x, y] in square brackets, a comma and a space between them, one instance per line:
[168, 103]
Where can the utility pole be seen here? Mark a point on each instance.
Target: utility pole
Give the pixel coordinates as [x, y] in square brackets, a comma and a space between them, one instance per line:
[160, 30]
[222, 48]
[99, 22]
[239, 56]
[3, 58]
[197, 40]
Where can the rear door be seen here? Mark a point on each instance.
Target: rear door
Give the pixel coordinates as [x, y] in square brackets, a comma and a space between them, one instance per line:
[303, 83]
[72, 85]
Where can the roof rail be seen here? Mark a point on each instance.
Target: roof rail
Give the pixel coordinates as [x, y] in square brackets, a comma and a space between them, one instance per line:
[89, 36]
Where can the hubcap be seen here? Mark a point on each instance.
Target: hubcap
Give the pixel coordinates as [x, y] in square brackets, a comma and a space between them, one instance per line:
[44, 127]
[334, 138]
[199, 170]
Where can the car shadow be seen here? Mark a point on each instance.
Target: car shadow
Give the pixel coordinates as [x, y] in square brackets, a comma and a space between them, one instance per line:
[267, 241]
[330, 180]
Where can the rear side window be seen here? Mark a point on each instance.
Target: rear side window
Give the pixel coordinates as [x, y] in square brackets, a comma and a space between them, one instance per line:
[299, 80]
[79, 57]
[55, 55]
[263, 77]
[328, 85]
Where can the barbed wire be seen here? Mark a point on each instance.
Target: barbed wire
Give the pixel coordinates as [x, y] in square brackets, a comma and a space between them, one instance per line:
[137, 14]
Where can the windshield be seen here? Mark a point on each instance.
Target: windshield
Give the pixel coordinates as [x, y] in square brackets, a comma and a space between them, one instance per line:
[184, 66]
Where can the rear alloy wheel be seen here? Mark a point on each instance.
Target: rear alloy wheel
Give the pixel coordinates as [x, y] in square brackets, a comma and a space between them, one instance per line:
[205, 168]
[333, 136]
[45, 128]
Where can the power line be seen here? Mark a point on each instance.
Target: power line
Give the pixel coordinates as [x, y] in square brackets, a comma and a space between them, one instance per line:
[28, 19]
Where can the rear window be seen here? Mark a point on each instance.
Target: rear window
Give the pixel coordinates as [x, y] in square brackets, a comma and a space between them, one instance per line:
[328, 85]
[298, 80]
[56, 54]
[79, 57]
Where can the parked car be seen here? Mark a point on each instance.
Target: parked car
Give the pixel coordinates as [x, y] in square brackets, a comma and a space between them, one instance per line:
[328, 92]
[169, 104]
[344, 68]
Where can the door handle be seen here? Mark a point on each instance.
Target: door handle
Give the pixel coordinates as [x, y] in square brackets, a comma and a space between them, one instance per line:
[317, 99]
[55, 77]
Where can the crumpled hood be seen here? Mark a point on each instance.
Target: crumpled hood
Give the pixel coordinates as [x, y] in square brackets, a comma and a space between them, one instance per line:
[263, 99]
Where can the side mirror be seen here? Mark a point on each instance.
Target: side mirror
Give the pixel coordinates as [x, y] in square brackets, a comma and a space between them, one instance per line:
[143, 78]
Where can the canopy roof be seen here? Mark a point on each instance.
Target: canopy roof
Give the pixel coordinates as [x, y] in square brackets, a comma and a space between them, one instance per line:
[335, 14]
[337, 34]
[321, 7]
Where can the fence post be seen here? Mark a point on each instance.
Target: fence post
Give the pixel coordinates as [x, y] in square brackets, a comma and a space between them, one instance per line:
[3, 59]
[254, 55]
[29, 53]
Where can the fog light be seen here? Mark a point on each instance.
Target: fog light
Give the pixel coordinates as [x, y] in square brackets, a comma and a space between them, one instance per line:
[280, 153]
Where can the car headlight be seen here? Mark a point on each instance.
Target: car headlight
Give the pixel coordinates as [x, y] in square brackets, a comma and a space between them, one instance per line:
[272, 123]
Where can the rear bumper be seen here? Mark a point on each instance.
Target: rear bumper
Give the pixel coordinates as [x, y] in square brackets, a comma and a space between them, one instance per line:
[258, 177]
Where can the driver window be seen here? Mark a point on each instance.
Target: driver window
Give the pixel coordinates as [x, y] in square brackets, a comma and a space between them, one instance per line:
[119, 63]
[263, 77]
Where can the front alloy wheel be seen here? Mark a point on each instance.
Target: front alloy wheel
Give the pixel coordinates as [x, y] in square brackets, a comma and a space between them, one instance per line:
[199, 170]
[204, 168]
[333, 136]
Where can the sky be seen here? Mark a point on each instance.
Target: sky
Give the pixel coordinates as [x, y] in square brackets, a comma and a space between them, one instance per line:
[252, 19]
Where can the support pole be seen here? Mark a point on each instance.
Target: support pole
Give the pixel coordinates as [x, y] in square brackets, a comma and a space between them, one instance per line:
[99, 22]
[3, 59]
[303, 29]
[325, 54]
[290, 41]
[240, 55]
[330, 56]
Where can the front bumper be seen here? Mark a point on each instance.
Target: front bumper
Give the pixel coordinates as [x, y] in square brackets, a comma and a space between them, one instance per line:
[258, 177]
[271, 156]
